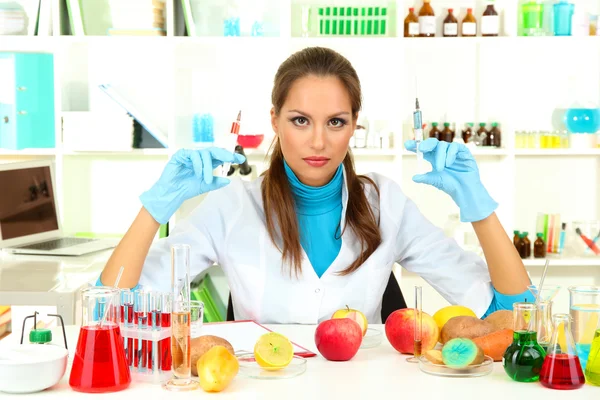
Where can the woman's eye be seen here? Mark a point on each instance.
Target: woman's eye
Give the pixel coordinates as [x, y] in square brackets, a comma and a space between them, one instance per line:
[300, 121]
[337, 122]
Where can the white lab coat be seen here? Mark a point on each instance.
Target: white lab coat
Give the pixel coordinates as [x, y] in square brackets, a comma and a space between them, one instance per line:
[228, 228]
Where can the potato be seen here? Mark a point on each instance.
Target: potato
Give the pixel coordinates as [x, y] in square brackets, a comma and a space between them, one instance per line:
[202, 344]
[466, 328]
[501, 319]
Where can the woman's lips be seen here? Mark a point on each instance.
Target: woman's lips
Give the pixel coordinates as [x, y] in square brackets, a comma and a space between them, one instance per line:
[316, 161]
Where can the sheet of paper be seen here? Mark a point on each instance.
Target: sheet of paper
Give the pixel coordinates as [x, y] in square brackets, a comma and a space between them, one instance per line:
[243, 335]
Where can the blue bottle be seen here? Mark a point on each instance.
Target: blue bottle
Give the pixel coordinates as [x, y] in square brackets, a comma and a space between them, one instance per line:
[563, 13]
[203, 129]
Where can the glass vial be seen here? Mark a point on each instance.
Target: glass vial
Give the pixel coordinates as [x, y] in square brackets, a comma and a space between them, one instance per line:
[411, 24]
[426, 20]
[450, 25]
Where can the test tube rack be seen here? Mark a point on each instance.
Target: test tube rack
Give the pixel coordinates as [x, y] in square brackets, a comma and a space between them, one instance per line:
[145, 326]
[353, 21]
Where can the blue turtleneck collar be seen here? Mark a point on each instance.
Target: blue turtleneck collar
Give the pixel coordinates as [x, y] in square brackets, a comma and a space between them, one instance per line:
[316, 200]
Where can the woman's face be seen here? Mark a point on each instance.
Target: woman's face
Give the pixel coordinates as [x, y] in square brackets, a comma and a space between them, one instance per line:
[314, 127]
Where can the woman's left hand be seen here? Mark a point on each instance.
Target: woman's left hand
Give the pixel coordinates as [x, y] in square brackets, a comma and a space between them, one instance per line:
[455, 172]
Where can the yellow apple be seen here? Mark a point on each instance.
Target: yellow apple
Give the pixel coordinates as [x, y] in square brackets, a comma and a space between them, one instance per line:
[354, 315]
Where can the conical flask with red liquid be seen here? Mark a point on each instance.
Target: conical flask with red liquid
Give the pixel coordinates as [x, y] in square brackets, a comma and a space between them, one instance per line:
[100, 365]
[562, 368]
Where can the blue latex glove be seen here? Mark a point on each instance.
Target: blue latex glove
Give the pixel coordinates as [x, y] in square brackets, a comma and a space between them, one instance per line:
[188, 173]
[455, 172]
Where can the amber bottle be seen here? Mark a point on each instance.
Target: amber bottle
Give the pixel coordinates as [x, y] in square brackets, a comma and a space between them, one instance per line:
[467, 133]
[426, 20]
[490, 22]
[469, 24]
[539, 247]
[516, 238]
[411, 24]
[450, 25]
[495, 135]
[522, 246]
[447, 134]
[527, 244]
[482, 134]
[435, 132]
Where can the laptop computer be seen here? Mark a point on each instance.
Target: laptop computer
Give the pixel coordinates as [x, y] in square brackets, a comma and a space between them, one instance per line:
[29, 218]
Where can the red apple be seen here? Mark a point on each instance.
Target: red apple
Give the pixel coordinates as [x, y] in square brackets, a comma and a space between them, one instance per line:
[400, 331]
[338, 339]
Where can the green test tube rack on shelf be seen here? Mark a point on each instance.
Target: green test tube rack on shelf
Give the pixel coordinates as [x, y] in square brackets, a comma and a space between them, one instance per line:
[353, 21]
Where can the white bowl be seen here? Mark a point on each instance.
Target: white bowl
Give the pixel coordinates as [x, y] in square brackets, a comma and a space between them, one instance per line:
[29, 368]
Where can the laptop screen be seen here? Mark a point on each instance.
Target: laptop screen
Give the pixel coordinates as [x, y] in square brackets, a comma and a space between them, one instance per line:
[26, 202]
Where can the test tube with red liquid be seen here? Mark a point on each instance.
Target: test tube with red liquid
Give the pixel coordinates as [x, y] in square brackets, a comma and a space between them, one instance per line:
[154, 323]
[165, 322]
[127, 320]
[141, 322]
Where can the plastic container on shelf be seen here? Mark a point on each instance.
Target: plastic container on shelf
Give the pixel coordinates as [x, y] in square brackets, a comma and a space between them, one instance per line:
[370, 19]
[563, 14]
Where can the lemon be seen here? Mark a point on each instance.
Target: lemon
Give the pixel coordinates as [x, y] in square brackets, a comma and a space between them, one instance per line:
[273, 351]
[444, 314]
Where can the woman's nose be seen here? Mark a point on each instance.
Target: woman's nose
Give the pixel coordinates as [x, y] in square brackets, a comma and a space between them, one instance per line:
[317, 140]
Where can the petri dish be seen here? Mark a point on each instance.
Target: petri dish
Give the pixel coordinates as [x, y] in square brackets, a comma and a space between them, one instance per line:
[250, 369]
[372, 338]
[472, 371]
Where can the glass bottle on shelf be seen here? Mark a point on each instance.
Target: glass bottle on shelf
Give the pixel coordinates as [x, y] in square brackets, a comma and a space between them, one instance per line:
[411, 24]
[563, 15]
[467, 133]
[531, 18]
[469, 24]
[561, 368]
[495, 135]
[435, 132]
[524, 357]
[490, 21]
[593, 25]
[539, 246]
[450, 25]
[527, 244]
[447, 134]
[426, 20]
[516, 238]
[482, 135]
[521, 249]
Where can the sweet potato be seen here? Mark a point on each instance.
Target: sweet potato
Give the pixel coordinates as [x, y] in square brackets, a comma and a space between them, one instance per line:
[501, 319]
[465, 327]
[202, 344]
[495, 344]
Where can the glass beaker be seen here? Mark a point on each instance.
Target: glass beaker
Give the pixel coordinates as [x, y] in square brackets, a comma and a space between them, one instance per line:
[584, 309]
[100, 365]
[181, 357]
[523, 359]
[197, 317]
[544, 324]
[561, 368]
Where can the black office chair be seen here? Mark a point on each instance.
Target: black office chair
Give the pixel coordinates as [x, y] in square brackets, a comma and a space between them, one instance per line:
[392, 300]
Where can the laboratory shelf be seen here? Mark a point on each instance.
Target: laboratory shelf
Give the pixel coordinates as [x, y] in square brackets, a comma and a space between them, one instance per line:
[356, 152]
[27, 152]
[132, 152]
[563, 262]
[492, 152]
[557, 152]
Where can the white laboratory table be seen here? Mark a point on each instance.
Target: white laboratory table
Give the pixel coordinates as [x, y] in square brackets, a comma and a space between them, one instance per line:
[378, 372]
[28, 280]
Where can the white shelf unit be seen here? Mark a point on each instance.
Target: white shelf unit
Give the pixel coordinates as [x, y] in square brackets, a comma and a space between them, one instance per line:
[516, 81]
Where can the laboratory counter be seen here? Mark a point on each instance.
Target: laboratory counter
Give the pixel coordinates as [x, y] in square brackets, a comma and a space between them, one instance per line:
[380, 371]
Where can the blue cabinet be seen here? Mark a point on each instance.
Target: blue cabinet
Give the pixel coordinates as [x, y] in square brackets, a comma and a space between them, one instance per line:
[27, 118]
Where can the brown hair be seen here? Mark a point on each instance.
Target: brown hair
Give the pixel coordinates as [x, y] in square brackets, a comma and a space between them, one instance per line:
[276, 192]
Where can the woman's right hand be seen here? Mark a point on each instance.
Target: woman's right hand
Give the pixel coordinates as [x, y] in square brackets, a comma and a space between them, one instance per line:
[188, 173]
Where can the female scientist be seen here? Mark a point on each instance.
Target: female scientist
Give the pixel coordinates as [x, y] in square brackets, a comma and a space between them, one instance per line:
[310, 235]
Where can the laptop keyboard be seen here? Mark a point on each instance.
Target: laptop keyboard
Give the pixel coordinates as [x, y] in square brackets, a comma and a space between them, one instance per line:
[57, 244]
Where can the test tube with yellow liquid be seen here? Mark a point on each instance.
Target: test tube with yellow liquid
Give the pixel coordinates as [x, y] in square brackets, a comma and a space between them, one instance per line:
[180, 321]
